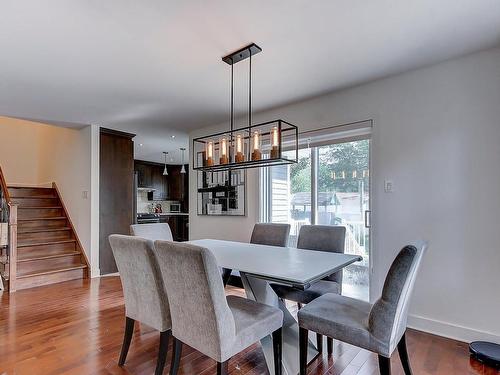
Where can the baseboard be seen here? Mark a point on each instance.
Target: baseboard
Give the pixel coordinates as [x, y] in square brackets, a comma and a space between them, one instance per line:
[449, 330]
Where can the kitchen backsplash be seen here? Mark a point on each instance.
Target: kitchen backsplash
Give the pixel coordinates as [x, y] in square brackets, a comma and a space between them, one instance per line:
[145, 206]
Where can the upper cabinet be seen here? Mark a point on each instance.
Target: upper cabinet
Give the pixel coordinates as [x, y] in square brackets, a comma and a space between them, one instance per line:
[172, 187]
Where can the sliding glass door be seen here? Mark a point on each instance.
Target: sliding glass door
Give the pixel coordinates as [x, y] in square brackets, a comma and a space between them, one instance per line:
[330, 185]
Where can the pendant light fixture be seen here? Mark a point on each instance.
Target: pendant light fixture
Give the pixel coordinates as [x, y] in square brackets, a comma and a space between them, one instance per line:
[256, 145]
[165, 172]
[183, 169]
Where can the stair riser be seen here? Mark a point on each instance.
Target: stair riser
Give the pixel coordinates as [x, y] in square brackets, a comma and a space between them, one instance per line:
[32, 192]
[33, 266]
[30, 282]
[33, 213]
[47, 249]
[43, 236]
[49, 224]
[36, 202]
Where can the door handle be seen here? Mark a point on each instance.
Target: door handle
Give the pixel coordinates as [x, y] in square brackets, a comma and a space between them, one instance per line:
[368, 223]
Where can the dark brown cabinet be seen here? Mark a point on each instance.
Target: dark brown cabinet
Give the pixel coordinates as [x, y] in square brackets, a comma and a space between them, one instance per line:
[116, 191]
[178, 225]
[173, 187]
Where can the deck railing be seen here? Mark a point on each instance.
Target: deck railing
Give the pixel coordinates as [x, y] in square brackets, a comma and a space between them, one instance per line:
[8, 244]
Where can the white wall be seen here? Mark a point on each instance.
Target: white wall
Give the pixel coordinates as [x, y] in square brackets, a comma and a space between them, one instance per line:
[38, 154]
[436, 135]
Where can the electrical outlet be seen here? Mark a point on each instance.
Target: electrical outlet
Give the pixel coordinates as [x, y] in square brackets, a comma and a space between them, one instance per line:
[388, 186]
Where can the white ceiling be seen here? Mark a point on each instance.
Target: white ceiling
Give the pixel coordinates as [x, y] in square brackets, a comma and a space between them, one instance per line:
[154, 67]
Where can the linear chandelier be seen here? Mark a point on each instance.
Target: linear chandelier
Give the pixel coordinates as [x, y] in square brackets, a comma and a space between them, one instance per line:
[256, 145]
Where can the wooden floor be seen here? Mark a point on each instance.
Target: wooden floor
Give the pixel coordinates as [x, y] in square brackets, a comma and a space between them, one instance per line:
[76, 327]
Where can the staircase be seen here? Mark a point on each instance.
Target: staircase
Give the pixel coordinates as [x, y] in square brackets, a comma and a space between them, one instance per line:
[48, 249]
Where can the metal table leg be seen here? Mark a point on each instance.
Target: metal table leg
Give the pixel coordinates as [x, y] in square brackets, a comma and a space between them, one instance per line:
[259, 290]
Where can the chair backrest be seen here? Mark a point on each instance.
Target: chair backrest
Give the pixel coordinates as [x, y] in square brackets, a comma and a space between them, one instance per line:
[143, 289]
[270, 234]
[323, 238]
[388, 316]
[201, 317]
[152, 232]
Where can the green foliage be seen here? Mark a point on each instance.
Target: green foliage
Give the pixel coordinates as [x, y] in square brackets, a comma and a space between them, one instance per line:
[340, 159]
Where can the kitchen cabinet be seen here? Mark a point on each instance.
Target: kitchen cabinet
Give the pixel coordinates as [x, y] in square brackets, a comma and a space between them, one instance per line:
[116, 191]
[144, 175]
[173, 187]
[178, 225]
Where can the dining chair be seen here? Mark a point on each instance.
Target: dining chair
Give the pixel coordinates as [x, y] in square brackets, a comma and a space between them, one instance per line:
[320, 238]
[145, 296]
[152, 232]
[380, 327]
[203, 317]
[270, 234]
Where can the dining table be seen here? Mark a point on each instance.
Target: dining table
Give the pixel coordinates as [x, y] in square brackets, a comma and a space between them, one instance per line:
[262, 265]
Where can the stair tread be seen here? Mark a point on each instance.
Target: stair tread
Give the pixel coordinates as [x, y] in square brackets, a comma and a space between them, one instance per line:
[46, 242]
[44, 218]
[30, 257]
[42, 230]
[38, 207]
[48, 271]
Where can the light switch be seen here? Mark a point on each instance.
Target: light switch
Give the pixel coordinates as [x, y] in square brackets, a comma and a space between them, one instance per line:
[85, 194]
[388, 186]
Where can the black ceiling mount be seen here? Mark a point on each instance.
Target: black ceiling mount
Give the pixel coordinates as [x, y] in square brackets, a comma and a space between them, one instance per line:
[242, 54]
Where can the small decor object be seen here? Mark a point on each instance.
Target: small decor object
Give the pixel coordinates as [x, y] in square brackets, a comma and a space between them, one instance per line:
[257, 145]
[486, 352]
[221, 193]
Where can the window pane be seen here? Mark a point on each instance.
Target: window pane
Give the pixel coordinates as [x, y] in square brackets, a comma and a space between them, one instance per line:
[291, 194]
[343, 198]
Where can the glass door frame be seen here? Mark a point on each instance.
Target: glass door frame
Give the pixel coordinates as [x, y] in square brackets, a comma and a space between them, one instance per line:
[265, 184]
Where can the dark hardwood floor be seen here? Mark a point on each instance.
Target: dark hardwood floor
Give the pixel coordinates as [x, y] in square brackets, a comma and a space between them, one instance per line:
[76, 327]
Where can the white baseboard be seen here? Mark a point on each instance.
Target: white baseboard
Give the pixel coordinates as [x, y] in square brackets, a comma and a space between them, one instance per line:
[449, 330]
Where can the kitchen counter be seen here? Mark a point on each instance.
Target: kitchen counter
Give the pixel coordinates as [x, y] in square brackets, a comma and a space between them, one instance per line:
[174, 214]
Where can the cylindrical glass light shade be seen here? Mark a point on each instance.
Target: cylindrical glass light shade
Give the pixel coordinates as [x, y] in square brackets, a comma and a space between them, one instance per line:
[223, 151]
[274, 142]
[256, 145]
[240, 154]
[209, 153]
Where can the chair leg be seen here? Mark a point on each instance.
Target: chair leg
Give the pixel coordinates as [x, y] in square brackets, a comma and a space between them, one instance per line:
[384, 365]
[226, 274]
[127, 338]
[303, 344]
[329, 345]
[162, 352]
[403, 355]
[176, 356]
[278, 351]
[222, 368]
[319, 342]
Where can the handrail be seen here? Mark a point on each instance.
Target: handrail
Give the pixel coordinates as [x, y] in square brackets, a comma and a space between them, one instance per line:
[3, 186]
[12, 242]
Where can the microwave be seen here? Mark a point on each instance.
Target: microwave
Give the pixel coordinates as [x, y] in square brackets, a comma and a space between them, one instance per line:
[175, 207]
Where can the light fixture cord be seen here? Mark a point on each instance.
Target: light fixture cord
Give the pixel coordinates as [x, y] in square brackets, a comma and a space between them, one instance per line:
[250, 103]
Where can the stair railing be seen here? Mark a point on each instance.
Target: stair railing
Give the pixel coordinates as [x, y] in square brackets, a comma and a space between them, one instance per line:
[8, 250]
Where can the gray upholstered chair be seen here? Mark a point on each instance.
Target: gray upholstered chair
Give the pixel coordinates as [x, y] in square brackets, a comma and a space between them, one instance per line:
[145, 296]
[265, 234]
[202, 316]
[152, 232]
[320, 238]
[380, 327]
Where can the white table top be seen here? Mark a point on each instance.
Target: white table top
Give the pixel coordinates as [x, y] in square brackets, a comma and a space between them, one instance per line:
[287, 265]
